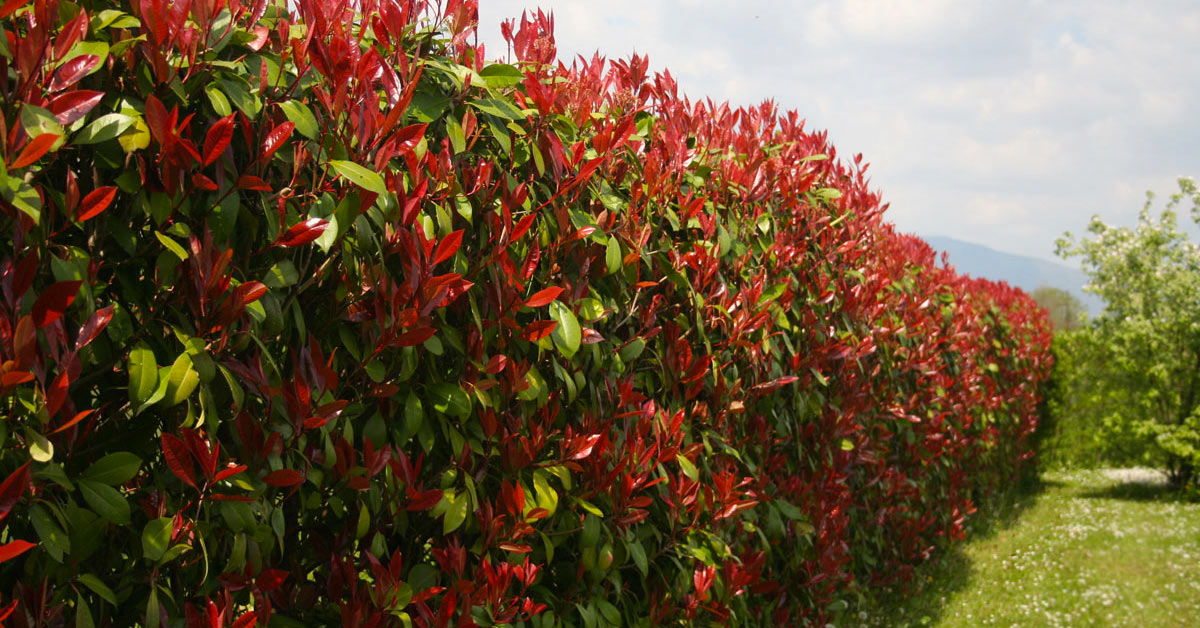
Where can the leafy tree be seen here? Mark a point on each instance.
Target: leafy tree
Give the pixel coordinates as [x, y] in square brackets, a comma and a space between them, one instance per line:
[1141, 356]
[1065, 310]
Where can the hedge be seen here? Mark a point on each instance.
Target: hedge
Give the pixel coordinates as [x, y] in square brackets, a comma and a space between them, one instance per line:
[321, 318]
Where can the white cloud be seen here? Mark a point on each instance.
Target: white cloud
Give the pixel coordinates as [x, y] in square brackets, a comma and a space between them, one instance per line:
[1005, 122]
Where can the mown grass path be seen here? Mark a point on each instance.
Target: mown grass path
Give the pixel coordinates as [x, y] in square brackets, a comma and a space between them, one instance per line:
[1092, 548]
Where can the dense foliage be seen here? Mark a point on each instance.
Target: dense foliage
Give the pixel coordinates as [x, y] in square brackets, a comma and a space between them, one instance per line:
[318, 318]
[1131, 378]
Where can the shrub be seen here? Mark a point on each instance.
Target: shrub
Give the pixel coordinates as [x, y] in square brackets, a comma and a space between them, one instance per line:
[319, 318]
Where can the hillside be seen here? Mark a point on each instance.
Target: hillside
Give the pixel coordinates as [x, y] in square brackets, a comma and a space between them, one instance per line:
[1027, 273]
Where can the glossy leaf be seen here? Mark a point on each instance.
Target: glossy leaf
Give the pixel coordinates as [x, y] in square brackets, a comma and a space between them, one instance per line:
[113, 469]
[360, 176]
[96, 202]
[34, 150]
[106, 501]
[54, 301]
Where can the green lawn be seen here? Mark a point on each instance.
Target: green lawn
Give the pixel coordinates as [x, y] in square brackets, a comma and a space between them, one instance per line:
[1091, 548]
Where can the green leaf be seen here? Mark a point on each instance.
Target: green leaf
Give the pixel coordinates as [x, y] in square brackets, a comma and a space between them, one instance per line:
[172, 245]
[545, 495]
[360, 176]
[181, 380]
[566, 334]
[152, 613]
[83, 614]
[450, 399]
[499, 108]
[106, 127]
[217, 99]
[281, 275]
[23, 196]
[54, 540]
[612, 256]
[638, 554]
[113, 469]
[107, 501]
[501, 75]
[687, 467]
[591, 309]
[631, 351]
[301, 116]
[456, 513]
[143, 374]
[40, 447]
[156, 537]
[239, 94]
[98, 587]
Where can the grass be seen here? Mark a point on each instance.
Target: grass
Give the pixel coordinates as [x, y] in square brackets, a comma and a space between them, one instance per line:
[1088, 548]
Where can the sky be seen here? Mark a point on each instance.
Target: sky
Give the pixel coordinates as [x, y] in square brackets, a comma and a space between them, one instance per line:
[999, 122]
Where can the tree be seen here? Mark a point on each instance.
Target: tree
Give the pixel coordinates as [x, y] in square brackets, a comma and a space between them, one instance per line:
[1143, 352]
[1065, 310]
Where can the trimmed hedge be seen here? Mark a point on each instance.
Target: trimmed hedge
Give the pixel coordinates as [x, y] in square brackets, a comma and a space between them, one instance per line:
[321, 319]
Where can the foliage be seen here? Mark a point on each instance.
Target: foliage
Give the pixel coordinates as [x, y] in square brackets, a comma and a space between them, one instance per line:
[1064, 309]
[1137, 366]
[317, 318]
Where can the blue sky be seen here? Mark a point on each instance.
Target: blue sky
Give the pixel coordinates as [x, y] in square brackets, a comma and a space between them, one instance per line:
[997, 122]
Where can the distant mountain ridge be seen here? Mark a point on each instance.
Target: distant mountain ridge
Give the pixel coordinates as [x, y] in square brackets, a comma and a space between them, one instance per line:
[1026, 273]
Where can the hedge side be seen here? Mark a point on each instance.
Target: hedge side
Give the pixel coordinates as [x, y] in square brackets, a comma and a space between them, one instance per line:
[321, 319]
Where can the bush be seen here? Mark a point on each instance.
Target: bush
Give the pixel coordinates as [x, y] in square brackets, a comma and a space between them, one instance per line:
[320, 319]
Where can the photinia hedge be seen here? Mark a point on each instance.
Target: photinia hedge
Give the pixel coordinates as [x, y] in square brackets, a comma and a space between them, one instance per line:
[311, 315]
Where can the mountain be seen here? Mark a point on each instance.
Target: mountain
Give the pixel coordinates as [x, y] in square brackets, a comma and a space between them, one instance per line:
[1027, 273]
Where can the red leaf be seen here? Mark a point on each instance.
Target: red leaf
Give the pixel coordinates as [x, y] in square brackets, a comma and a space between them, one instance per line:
[413, 337]
[217, 139]
[515, 548]
[246, 621]
[582, 448]
[95, 202]
[423, 500]
[522, 227]
[73, 105]
[251, 182]
[15, 378]
[222, 497]
[54, 301]
[56, 395]
[271, 579]
[497, 363]
[12, 488]
[5, 10]
[284, 477]
[537, 330]
[77, 418]
[12, 606]
[276, 138]
[448, 247]
[303, 233]
[260, 38]
[156, 119]
[34, 150]
[407, 138]
[249, 292]
[178, 460]
[229, 472]
[543, 297]
[70, 72]
[202, 182]
[13, 549]
[94, 325]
